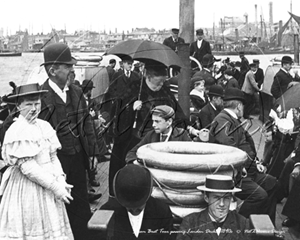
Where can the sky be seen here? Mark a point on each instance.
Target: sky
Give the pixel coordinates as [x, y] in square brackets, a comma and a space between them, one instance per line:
[99, 15]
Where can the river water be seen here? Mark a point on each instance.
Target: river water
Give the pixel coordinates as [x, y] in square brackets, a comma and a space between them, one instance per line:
[18, 69]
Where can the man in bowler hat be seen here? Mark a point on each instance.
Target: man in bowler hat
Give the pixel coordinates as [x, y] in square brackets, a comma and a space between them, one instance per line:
[258, 189]
[173, 41]
[213, 107]
[216, 221]
[137, 215]
[163, 130]
[200, 47]
[259, 75]
[65, 108]
[283, 79]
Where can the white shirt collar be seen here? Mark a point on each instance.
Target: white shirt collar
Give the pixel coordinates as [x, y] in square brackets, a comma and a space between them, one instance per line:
[207, 69]
[199, 43]
[232, 113]
[61, 93]
[136, 222]
[284, 70]
[213, 106]
[168, 134]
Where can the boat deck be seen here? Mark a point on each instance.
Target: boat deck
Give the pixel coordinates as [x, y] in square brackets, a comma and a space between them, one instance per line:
[288, 233]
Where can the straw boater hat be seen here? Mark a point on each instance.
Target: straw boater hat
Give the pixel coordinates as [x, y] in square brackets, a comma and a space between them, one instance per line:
[133, 186]
[219, 183]
[163, 111]
[26, 90]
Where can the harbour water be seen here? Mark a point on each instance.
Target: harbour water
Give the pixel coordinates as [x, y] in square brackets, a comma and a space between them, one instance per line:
[18, 69]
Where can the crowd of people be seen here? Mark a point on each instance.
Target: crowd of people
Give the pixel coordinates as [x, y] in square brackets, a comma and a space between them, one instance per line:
[55, 135]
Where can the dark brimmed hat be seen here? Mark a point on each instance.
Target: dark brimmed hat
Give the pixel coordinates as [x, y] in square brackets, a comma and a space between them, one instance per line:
[252, 65]
[158, 68]
[126, 58]
[228, 72]
[175, 30]
[199, 32]
[255, 60]
[112, 61]
[87, 85]
[241, 53]
[208, 59]
[233, 94]
[26, 90]
[287, 59]
[133, 186]
[163, 111]
[58, 53]
[216, 90]
[219, 183]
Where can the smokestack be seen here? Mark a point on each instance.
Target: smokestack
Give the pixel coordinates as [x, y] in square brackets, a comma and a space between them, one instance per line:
[236, 35]
[271, 13]
[256, 23]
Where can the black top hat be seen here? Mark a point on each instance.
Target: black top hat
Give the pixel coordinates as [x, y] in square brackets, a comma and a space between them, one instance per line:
[216, 90]
[163, 111]
[199, 32]
[58, 53]
[234, 94]
[255, 60]
[207, 60]
[26, 90]
[175, 30]
[87, 84]
[228, 72]
[133, 186]
[219, 183]
[287, 59]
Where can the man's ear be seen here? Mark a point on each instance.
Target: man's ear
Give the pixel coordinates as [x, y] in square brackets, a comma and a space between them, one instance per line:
[205, 197]
[52, 71]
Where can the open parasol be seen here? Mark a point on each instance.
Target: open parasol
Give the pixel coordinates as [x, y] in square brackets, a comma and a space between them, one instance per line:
[146, 50]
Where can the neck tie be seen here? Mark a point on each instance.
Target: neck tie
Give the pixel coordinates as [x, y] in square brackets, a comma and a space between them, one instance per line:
[163, 137]
[127, 74]
[218, 224]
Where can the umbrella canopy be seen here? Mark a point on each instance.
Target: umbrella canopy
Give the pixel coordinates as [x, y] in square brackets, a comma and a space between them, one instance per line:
[146, 49]
[290, 99]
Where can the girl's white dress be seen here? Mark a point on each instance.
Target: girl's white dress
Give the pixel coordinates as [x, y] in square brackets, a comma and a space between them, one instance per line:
[31, 207]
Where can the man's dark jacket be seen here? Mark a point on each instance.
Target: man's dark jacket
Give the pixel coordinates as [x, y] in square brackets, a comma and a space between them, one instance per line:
[199, 226]
[280, 84]
[199, 53]
[171, 44]
[207, 115]
[157, 215]
[178, 134]
[259, 77]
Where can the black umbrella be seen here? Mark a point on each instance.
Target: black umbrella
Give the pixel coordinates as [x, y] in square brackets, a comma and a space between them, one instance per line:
[146, 50]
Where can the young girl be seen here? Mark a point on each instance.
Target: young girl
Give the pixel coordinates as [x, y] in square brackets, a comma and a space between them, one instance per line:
[33, 188]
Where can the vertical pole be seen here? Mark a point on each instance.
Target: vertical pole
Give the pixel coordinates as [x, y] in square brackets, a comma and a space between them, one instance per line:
[296, 48]
[187, 29]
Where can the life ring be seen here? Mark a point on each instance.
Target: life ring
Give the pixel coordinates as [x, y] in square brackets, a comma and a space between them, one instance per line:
[191, 156]
[180, 197]
[184, 211]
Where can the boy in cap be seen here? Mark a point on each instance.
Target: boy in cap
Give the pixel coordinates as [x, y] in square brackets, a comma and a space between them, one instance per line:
[216, 221]
[283, 78]
[259, 189]
[163, 130]
[200, 47]
[137, 215]
[173, 41]
[251, 90]
[259, 75]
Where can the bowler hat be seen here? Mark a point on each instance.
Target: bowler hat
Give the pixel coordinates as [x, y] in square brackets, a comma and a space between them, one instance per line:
[241, 53]
[199, 32]
[163, 111]
[228, 72]
[87, 84]
[26, 90]
[216, 90]
[175, 30]
[207, 60]
[255, 60]
[126, 58]
[133, 186]
[219, 183]
[286, 59]
[233, 94]
[58, 53]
